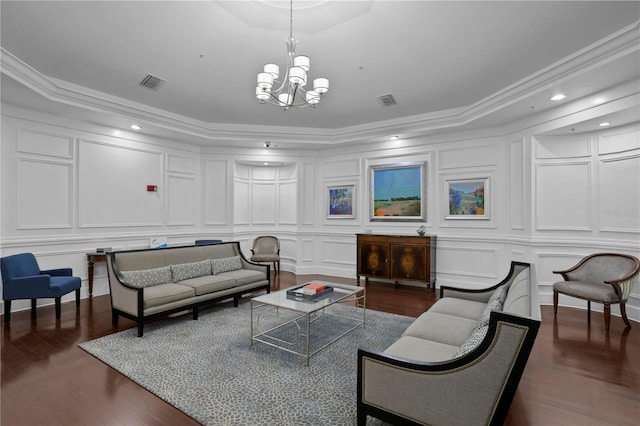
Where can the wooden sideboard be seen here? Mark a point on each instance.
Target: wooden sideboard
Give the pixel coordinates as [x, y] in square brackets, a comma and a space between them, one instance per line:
[397, 258]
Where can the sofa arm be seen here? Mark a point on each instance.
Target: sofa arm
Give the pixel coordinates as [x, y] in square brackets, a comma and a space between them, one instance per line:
[473, 389]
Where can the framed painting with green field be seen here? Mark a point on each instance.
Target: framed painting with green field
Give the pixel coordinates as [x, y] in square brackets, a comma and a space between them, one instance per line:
[468, 198]
[398, 192]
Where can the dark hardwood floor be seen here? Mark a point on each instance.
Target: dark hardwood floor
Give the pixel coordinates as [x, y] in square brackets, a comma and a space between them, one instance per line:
[576, 375]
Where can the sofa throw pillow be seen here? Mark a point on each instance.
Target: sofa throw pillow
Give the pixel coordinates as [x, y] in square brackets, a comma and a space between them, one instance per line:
[226, 264]
[148, 277]
[184, 271]
[472, 342]
[495, 303]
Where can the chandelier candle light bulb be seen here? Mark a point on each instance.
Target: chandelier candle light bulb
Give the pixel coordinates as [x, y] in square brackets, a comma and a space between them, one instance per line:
[291, 92]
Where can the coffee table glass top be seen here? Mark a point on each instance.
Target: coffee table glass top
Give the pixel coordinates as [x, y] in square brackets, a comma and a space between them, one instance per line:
[279, 298]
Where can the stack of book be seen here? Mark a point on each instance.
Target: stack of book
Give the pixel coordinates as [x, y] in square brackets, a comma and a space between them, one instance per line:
[309, 292]
[312, 288]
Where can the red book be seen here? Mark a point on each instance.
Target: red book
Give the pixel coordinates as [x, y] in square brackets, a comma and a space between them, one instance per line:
[313, 286]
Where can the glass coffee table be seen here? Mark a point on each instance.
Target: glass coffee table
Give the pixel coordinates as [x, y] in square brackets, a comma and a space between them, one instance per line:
[305, 327]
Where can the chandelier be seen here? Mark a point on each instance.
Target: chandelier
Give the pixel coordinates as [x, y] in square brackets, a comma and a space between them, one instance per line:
[290, 91]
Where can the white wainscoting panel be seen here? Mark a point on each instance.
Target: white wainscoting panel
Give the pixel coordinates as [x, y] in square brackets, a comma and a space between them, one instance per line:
[287, 203]
[216, 195]
[263, 203]
[44, 194]
[340, 252]
[181, 200]
[308, 250]
[264, 173]
[179, 164]
[307, 198]
[572, 146]
[241, 203]
[622, 140]
[470, 156]
[341, 168]
[44, 143]
[517, 181]
[471, 261]
[620, 194]
[563, 196]
[113, 185]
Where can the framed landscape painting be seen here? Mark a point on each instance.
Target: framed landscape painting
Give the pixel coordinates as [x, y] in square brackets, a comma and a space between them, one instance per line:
[468, 198]
[398, 192]
[340, 202]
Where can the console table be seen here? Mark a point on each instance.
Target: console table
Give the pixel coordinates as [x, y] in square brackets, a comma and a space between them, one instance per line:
[397, 258]
[93, 257]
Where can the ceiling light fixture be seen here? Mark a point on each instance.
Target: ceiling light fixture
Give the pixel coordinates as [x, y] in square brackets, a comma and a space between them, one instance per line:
[291, 92]
[558, 97]
[136, 127]
[605, 124]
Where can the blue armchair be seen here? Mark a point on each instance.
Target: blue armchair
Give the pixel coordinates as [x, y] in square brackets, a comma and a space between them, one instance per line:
[23, 279]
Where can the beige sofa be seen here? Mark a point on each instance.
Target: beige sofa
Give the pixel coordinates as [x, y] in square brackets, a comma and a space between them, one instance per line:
[146, 284]
[459, 363]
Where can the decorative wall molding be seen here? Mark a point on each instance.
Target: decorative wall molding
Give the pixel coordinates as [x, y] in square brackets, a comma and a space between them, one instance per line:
[41, 142]
[44, 204]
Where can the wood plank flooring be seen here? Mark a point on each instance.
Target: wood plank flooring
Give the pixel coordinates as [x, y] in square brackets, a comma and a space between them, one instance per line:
[576, 375]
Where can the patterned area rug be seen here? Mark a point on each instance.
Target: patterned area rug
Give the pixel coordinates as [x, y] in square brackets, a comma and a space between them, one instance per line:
[209, 370]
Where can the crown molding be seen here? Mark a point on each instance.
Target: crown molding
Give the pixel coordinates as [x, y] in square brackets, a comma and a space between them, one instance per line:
[615, 46]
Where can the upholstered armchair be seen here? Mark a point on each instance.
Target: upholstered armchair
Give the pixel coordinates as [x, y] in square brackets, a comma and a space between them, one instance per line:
[605, 278]
[23, 279]
[266, 248]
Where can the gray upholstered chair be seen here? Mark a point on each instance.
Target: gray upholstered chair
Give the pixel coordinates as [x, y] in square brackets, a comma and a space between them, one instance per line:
[605, 278]
[266, 248]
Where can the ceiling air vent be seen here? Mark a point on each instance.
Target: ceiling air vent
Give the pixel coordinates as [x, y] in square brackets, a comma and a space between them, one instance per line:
[387, 100]
[152, 82]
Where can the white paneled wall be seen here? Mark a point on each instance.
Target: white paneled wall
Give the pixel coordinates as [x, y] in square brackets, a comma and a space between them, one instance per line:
[550, 199]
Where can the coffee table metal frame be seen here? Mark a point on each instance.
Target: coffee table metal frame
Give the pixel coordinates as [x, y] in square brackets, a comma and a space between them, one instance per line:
[309, 311]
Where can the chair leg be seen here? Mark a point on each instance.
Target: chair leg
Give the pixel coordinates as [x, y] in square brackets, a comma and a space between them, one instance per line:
[7, 310]
[33, 304]
[589, 311]
[78, 298]
[623, 312]
[555, 304]
[607, 316]
[58, 307]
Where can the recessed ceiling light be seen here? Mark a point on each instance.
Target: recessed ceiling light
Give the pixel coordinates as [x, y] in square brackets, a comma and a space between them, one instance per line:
[136, 127]
[394, 137]
[265, 163]
[604, 124]
[597, 101]
[558, 97]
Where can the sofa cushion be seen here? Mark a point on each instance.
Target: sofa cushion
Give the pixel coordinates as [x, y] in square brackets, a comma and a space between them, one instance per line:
[166, 293]
[184, 271]
[421, 350]
[473, 341]
[441, 328]
[209, 283]
[518, 301]
[459, 307]
[245, 276]
[225, 264]
[148, 277]
[495, 303]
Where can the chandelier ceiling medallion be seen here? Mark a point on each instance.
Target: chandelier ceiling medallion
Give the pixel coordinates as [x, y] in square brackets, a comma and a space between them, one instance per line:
[291, 92]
